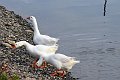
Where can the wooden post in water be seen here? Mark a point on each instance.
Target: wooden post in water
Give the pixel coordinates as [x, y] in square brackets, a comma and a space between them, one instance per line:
[105, 7]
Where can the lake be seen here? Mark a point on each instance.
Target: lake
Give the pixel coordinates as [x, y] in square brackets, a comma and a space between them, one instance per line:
[88, 30]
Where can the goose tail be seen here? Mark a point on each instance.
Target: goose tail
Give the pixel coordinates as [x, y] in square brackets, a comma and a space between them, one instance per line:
[74, 61]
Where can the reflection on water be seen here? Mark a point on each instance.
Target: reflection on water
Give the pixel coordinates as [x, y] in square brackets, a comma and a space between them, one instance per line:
[105, 5]
[83, 31]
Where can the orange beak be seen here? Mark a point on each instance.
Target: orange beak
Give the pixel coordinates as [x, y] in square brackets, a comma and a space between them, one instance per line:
[28, 17]
[13, 46]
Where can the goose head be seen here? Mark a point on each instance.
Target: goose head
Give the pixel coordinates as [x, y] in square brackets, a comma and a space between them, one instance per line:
[31, 18]
[18, 44]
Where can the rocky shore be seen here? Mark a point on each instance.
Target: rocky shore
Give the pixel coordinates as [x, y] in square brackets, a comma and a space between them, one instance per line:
[18, 61]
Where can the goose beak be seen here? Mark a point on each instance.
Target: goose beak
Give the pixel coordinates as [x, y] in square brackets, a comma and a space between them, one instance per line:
[28, 18]
[13, 46]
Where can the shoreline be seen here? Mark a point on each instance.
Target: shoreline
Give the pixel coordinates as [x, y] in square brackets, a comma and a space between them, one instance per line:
[13, 27]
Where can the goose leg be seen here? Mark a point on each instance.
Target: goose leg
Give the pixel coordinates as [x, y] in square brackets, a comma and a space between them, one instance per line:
[54, 73]
[42, 66]
[58, 73]
[34, 63]
[61, 72]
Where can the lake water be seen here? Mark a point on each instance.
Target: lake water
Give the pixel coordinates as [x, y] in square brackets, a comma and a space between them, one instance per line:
[88, 30]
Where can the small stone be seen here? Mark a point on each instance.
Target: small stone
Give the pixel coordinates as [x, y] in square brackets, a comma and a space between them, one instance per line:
[7, 45]
[11, 42]
[28, 78]
[29, 31]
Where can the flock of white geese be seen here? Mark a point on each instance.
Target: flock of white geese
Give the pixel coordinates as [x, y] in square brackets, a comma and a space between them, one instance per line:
[45, 50]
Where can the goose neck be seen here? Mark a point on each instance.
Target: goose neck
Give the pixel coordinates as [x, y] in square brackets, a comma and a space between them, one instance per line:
[35, 26]
[25, 43]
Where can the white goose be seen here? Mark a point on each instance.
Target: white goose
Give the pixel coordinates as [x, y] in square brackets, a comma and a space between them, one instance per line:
[37, 49]
[38, 38]
[60, 61]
